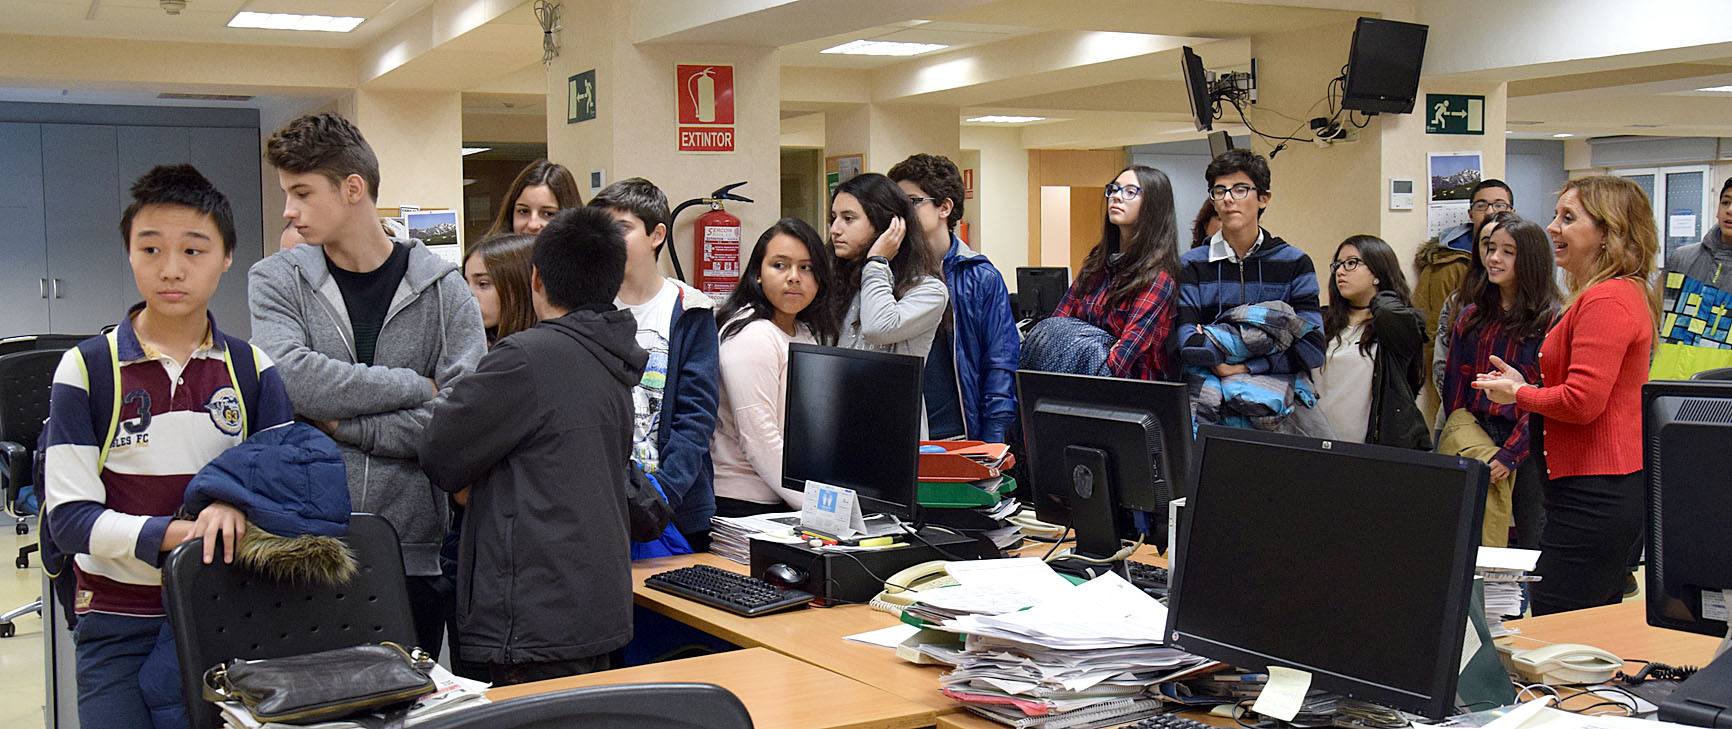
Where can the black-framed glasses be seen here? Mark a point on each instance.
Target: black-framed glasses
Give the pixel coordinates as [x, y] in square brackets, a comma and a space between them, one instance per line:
[1239, 192]
[1349, 265]
[1126, 193]
[1496, 206]
[915, 200]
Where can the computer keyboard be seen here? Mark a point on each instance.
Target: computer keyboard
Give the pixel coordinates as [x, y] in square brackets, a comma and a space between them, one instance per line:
[730, 591]
[1168, 721]
[1148, 578]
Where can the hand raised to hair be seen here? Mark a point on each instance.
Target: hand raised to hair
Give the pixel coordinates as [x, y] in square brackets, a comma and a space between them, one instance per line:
[889, 241]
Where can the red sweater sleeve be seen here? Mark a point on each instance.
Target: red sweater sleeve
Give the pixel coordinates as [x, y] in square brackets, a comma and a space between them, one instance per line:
[1597, 342]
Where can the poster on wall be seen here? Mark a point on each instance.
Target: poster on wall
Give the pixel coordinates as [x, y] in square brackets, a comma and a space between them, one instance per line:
[1452, 176]
[433, 228]
[839, 169]
[705, 105]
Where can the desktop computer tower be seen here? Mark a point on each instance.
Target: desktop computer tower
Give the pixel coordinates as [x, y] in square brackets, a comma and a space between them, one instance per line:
[840, 578]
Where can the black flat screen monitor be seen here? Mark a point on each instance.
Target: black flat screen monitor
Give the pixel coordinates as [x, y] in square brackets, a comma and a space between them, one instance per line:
[1102, 448]
[1383, 66]
[1038, 289]
[1349, 561]
[853, 420]
[1197, 89]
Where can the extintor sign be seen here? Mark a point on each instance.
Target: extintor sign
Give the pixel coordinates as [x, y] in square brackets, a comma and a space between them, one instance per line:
[705, 107]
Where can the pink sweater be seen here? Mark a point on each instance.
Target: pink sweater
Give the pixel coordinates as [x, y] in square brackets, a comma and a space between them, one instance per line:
[747, 446]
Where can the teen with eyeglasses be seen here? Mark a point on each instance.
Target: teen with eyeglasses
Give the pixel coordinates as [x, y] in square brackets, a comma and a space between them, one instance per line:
[1371, 368]
[1244, 264]
[1126, 285]
[1442, 265]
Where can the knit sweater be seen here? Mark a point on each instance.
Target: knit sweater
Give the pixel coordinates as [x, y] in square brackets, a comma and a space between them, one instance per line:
[1594, 361]
[1211, 285]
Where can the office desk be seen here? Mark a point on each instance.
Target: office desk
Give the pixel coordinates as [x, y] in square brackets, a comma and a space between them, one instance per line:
[778, 691]
[1622, 629]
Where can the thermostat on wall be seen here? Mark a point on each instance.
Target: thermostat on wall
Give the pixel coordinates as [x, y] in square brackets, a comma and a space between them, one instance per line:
[1400, 194]
[596, 181]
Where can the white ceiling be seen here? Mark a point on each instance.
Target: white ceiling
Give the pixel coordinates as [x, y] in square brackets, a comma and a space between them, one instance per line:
[202, 21]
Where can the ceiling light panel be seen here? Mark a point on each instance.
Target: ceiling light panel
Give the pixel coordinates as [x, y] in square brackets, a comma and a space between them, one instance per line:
[1001, 119]
[290, 21]
[883, 48]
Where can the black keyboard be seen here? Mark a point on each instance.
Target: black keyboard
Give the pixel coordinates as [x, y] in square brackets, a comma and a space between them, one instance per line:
[1168, 721]
[730, 591]
[1148, 578]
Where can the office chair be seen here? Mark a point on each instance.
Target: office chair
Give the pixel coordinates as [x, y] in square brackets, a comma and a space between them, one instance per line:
[623, 706]
[220, 612]
[25, 381]
[32, 342]
[1722, 373]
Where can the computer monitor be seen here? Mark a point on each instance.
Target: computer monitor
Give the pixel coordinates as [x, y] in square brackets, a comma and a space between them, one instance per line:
[1197, 89]
[853, 420]
[1101, 450]
[1685, 427]
[1349, 561]
[1383, 66]
[1038, 289]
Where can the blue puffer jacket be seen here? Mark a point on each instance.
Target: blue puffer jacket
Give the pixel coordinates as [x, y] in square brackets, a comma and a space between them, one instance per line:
[985, 343]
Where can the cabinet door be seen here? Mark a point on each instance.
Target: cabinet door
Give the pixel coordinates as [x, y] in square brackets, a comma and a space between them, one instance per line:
[230, 158]
[92, 282]
[22, 247]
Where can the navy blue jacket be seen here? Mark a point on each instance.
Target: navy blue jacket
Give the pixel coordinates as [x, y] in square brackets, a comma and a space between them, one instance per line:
[985, 343]
[289, 480]
[688, 416]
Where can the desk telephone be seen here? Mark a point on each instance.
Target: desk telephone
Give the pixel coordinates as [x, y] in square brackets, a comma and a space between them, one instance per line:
[1565, 663]
[903, 588]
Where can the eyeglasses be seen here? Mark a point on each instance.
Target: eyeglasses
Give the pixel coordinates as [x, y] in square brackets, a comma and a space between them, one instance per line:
[915, 200]
[1126, 193]
[1350, 265]
[1239, 192]
[1496, 206]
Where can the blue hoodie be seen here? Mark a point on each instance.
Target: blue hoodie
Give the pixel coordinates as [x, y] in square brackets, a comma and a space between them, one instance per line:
[984, 343]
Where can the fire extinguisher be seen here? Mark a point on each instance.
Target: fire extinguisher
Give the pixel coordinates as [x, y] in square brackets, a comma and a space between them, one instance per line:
[715, 243]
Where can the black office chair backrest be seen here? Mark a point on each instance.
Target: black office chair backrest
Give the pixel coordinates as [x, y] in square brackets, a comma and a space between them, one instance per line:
[26, 378]
[622, 706]
[1722, 373]
[30, 342]
[222, 612]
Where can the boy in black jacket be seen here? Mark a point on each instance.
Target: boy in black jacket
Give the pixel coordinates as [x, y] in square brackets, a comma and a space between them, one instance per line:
[543, 429]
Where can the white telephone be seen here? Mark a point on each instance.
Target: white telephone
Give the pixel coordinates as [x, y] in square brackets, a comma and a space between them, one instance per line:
[1565, 663]
[902, 589]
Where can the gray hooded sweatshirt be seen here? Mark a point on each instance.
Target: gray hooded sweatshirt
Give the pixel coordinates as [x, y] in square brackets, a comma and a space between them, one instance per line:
[432, 330]
[1709, 261]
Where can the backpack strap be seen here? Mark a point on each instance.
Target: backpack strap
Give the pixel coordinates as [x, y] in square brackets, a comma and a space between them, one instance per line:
[244, 373]
[102, 378]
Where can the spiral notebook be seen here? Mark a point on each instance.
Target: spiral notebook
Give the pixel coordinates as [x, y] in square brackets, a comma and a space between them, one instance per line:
[1111, 712]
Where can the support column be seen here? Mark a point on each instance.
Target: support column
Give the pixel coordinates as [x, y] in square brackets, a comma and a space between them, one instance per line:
[888, 134]
[418, 137]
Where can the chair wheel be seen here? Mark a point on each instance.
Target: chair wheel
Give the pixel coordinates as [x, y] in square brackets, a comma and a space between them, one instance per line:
[7, 630]
[23, 563]
[22, 528]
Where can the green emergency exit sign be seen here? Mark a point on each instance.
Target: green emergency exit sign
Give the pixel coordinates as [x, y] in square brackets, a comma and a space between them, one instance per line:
[1454, 114]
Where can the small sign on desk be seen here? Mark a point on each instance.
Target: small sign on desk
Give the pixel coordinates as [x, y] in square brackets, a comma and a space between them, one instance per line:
[832, 510]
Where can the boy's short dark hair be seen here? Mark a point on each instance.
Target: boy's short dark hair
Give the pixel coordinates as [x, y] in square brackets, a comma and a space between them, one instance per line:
[639, 197]
[581, 257]
[327, 144]
[1491, 182]
[1239, 160]
[1727, 186]
[179, 185]
[938, 176]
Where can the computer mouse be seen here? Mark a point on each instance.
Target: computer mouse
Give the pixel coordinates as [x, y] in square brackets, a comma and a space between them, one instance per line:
[785, 575]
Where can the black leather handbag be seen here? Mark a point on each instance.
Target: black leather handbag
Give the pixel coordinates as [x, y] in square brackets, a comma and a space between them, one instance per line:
[322, 686]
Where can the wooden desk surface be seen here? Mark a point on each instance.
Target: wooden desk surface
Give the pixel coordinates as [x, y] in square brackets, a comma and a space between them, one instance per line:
[1622, 629]
[778, 691]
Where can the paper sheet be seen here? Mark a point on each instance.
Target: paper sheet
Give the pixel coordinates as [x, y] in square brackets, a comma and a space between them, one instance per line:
[1501, 558]
[1284, 694]
[886, 637]
[1031, 575]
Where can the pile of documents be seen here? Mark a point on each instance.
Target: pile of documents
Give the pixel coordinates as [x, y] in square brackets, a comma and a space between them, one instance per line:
[1092, 650]
[451, 693]
[1503, 573]
[729, 536]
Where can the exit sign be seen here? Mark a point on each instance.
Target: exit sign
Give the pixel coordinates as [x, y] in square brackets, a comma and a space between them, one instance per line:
[1454, 114]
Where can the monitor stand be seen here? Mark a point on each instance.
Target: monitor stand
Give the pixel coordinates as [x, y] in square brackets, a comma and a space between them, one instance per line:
[1093, 513]
[1706, 698]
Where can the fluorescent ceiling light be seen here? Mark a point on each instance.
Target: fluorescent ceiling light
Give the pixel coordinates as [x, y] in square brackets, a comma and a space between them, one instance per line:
[1562, 135]
[995, 119]
[289, 21]
[883, 48]
[474, 150]
[1718, 89]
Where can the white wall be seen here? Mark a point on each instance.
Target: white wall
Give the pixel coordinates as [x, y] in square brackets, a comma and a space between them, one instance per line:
[1000, 199]
[1535, 172]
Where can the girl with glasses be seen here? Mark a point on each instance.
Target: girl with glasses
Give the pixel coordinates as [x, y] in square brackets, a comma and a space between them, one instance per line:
[1129, 280]
[1371, 369]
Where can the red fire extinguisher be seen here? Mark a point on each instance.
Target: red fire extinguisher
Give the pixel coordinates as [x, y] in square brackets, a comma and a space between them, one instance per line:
[717, 245]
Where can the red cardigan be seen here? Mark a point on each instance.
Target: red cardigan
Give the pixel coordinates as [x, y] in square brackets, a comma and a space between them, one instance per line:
[1593, 364]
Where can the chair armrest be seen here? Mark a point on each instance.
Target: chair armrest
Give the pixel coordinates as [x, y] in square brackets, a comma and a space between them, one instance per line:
[14, 468]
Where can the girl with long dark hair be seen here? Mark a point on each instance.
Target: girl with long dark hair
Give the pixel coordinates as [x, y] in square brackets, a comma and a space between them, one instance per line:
[1505, 313]
[782, 297]
[1128, 284]
[1371, 370]
[540, 191]
[889, 294]
[497, 271]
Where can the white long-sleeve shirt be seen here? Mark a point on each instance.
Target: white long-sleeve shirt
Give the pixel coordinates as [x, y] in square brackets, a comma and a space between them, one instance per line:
[746, 449]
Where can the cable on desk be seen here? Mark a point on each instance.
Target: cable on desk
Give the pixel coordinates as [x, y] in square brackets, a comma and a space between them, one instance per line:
[1055, 545]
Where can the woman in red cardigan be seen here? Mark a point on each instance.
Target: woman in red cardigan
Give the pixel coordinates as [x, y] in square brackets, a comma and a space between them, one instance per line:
[1593, 364]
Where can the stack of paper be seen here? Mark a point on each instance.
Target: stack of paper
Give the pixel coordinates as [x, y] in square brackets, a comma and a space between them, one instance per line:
[1074, 649]
[451, 693]
[1503, 572]
[729, 535]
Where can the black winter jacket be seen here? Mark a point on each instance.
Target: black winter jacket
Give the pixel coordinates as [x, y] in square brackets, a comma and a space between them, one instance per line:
[1397, 375]
[542, 429]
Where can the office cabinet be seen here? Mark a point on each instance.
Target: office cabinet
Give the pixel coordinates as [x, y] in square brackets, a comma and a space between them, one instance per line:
[23, 258]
